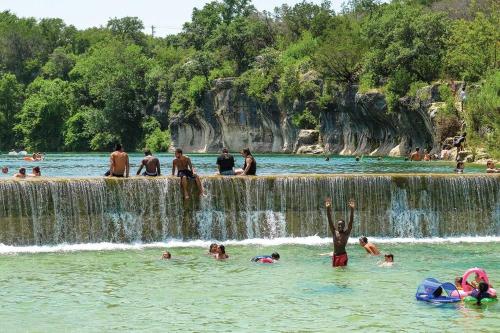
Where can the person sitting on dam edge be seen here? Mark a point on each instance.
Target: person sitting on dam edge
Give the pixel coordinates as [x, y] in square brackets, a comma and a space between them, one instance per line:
[225, 163]
[185, 171]
[250, 165]
[119, 163]
[152, 164]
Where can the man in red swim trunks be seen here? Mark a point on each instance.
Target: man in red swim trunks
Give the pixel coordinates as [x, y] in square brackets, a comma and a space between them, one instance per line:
[340, 235]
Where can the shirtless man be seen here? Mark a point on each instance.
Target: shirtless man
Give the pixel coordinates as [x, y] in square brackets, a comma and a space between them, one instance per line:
[21, 174]
[151, 163]
[184, 171]
[119, 166]
[369, 247]
[221, 253]
[415, 156]
[340, 235]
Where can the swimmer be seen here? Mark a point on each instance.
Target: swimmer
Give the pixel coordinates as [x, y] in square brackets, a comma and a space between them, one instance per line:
[267, 259]
[5, 170]
[490, 167]
[415, 156]
[460, 167]
[327, 158]
[36, 172]
[427, 155]
[481, 292]
[185, 171]
[21, 173]
[340, 234]
[151, 163]
[221, 253]
[166, 255]
[388, 260]
[357, 158]
[212, 250]
[369, 247]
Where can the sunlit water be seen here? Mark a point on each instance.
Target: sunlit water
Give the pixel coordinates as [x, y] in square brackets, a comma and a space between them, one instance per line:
[96, 164]
[133, 290]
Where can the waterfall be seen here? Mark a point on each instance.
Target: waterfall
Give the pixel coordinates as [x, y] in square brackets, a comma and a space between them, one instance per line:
[54, 211]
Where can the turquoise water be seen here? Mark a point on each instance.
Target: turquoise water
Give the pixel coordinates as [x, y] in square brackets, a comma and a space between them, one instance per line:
[96, 164]
[133, 290]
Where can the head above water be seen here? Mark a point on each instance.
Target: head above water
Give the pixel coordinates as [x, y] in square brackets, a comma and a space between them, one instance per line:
[22, 171]
[118, 147]
[5, 170]
[166, 255]
[275, 256]
[147, 152]
[36, 170]
[357, 158]
[222, 249]
[483, 287]
[389, 257]
[212, 248]
[363, 240]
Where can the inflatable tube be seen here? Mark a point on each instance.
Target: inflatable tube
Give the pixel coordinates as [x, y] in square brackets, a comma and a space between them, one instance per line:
[473, 300]
[480, 272]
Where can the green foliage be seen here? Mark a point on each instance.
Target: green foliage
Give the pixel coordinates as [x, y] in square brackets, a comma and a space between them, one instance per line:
[305, 120]
[11, 99]
[41, 120]
[155, 138]
[483, 113]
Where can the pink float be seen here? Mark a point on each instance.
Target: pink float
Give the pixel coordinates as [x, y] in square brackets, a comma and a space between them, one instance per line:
[482, 275]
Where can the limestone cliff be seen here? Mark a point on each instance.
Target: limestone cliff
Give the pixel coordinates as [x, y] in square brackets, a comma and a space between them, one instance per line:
[353, 123]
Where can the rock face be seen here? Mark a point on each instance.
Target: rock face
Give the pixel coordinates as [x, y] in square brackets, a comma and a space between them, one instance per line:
[354, 123]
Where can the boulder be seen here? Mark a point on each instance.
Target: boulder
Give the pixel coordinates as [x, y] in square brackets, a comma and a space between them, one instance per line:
[311, 149]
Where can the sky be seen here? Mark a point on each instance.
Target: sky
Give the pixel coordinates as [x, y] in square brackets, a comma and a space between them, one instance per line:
[167, 16]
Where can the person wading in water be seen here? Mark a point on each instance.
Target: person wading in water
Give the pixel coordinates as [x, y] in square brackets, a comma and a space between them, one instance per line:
[340, 234]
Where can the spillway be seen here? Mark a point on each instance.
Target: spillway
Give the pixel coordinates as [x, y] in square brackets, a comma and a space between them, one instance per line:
[51, 211]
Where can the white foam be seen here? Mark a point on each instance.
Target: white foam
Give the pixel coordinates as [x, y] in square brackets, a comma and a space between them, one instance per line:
[311, 240]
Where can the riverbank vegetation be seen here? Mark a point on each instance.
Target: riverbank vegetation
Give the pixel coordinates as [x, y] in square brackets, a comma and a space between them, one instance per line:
[78, 90]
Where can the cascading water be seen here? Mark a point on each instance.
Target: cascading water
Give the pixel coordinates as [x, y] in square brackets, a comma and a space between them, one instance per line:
[53, 211]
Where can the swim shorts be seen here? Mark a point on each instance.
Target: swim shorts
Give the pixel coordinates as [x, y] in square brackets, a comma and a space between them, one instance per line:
[339, 260]
[186, 173]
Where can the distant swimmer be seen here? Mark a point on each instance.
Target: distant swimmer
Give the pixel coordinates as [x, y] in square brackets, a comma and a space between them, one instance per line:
[225, 163]
[340, 234]
[119, 164]
[21, 174]
[490, 167]
[36, 172]
[460, 167]
[151, 163]
[415, 156]
[185, 171]
[221, 253]
[427, 155]
[249, 166]
[388, 260]
[5, 170]
[358, 158]
[212, 250]
[166, 255]
[369, 247]
[267, 259]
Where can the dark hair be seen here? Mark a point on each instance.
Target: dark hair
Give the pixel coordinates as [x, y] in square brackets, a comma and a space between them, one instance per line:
[363, 239]
[222, 248]
[390, 255]
[465, 134]
[246, 151]
[22, 171]
[178, 150]
[211, 247]
[36, 169]
[118, 147]
[275, 255]
[147, 152]
[458, 279]
[483, 287]
[224, 150]
[417, 149]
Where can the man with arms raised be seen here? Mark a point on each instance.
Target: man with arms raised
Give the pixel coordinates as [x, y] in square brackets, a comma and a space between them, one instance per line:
[184, 171]
[119, 166]
[340, 234]
[151, 163]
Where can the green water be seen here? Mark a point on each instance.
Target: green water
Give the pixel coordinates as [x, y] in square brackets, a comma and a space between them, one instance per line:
[134, 290]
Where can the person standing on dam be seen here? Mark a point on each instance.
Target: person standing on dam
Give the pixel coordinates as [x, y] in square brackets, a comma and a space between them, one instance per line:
[185, 170]
[152, 164]
[119, 164]
[340, 234]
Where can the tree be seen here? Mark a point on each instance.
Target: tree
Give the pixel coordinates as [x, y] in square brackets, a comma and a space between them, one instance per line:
[11, 98]
[127, 28]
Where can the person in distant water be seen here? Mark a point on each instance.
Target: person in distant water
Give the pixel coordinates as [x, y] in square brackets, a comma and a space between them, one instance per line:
[481, 292]
[221, 253]
[5, 170]
[21, 173]
[379, 158]
[327, 158]
[267, 259]
[166, 255]
[459, 143]
[415, 156]
[151, 163]
[427, 155]
[185, 171]
[119, 164]
[225, 163]
[358, 158]
[490, 167]
[36, 172]
[388, 260]
[212, 250]
[250, 165]
[340, 234]
[460, 167]
[369, 247]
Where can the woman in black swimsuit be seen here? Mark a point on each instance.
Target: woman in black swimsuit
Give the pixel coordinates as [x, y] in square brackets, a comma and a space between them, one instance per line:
[250, 165]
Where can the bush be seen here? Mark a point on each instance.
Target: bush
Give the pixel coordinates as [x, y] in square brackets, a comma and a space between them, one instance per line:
[305, 120]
